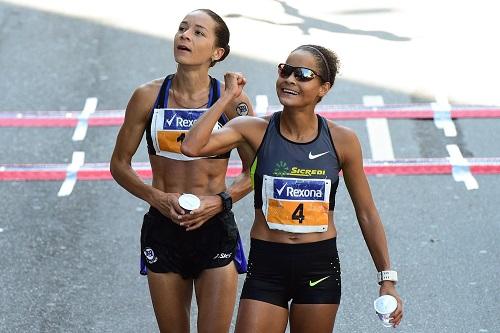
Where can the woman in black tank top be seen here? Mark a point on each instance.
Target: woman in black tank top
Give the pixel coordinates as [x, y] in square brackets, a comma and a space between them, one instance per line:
[184, 251]
[293, 255]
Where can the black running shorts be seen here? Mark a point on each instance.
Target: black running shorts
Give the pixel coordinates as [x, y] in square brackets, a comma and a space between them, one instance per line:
[303, 273]
[168, 247]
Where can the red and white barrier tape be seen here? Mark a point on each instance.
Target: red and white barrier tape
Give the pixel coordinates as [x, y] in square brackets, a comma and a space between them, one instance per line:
[346, 112]
[100, 171]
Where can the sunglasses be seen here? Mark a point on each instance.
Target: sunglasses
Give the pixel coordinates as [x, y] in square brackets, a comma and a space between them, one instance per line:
[302, 74]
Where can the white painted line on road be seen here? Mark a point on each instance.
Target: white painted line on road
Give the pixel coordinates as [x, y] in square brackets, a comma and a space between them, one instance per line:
[67, 186]
[442, 116]
[1, 229]
[373, 100]
[261, 105]
[81, 127]
[460, 168]
[378, 131]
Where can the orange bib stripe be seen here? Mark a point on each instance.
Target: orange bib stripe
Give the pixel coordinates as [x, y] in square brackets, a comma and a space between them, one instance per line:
[170, 140]
[315, 213]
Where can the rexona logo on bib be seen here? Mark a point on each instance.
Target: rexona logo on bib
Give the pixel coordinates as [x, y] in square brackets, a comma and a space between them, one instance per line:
[168, 130]
[296, 205]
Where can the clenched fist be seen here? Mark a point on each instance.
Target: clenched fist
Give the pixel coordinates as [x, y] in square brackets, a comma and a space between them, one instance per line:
[234, 83]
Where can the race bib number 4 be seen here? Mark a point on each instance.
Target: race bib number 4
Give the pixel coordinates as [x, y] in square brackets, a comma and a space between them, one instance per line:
[296, 205]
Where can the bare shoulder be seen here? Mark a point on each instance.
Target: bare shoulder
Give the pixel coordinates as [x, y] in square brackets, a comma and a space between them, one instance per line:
[143, 99]
[146, 93]
[252, 129]
[341, 135]
[248, 124]
[345, 140]
[267, 117]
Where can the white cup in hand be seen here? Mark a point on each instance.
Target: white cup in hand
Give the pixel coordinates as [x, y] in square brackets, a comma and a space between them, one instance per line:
[384, 306]
[189, 202]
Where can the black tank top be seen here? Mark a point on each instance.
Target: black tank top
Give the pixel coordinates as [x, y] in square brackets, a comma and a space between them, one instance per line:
[166, 128]
[290, 164]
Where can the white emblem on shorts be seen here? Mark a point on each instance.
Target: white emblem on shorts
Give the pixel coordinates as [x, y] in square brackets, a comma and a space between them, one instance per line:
[150, 255]
[223, 255]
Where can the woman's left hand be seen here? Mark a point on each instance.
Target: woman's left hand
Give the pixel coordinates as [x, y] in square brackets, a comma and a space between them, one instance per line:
[388, 288]
[209, 207]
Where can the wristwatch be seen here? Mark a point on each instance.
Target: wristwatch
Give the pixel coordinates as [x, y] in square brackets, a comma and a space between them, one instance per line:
[227, 201]
[387, 276]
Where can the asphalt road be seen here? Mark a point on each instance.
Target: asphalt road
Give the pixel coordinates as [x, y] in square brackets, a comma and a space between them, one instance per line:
[70, 264]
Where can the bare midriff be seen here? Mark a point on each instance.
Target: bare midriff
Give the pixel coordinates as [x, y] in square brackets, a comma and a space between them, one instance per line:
[200, 177]
[260, 230]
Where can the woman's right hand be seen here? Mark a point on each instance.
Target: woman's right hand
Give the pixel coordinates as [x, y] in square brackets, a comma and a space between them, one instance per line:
[234, 83]
[168, 205]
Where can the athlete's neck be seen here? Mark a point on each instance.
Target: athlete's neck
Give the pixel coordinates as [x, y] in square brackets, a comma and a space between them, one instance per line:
[298, 126]
[190, 82]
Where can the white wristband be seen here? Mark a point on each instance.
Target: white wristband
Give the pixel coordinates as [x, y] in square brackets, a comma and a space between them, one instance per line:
[387, 276]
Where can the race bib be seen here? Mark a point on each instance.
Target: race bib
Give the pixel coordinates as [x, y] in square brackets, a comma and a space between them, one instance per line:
[296, 205]
[169, 128]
